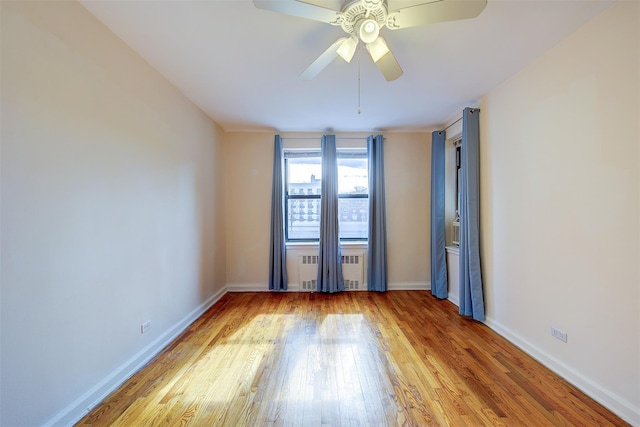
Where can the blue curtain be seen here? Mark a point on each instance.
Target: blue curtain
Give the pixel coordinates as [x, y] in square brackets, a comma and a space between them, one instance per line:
[329, 258]
[439, 283]
[377, 244]
[277, 248]
[471, 299]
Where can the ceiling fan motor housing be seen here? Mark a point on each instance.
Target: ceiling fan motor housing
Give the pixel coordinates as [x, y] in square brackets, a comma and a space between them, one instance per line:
[358, 14]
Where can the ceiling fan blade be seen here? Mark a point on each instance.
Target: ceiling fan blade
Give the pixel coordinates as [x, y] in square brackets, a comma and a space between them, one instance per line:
[323, 60]
[384, 59]
[434, 12]
[300, 9]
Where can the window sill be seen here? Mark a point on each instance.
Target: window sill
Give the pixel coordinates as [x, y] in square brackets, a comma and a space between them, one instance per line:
[455, 250]
[353, 244]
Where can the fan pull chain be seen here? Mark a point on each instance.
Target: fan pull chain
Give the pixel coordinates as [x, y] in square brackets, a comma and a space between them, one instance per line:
[359, 56]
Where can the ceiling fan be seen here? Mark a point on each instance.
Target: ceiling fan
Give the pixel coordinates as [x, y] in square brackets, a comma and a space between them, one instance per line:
[362, 20]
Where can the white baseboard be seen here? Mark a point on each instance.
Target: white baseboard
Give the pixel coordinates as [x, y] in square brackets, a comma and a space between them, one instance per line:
[294, 287]
[616, 404]
[454, 299]
[410, 286]
[250, 287]
[261, 287]
[85, 403]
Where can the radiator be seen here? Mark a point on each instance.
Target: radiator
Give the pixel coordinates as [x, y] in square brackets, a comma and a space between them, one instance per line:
[352, 271]
[308, 272]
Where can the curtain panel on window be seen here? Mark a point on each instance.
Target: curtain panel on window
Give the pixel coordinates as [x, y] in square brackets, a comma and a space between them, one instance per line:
[329, 258]
[277, 247]
[377, 237]
[471, 298]
[439, 282]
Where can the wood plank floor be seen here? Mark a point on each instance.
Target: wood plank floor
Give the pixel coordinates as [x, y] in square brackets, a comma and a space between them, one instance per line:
[349, 359]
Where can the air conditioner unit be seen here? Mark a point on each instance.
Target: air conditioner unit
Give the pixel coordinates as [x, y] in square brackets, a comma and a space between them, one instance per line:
[455, 232]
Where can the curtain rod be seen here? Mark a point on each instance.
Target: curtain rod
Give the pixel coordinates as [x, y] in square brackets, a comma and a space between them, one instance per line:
[318, 138]
[452, 124]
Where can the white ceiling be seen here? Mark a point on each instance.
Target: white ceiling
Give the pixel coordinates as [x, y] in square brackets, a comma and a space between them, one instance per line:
[240, 64]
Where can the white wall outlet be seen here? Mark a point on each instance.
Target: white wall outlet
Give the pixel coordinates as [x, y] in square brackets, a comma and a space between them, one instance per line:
[561, 335]
[145, 326]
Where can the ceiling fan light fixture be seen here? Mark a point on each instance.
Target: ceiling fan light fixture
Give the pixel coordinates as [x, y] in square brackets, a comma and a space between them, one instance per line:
[348, 48]
[377, 49]
[368, 30]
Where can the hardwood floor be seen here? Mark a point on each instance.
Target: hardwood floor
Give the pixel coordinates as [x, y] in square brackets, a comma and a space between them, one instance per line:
[349, 359]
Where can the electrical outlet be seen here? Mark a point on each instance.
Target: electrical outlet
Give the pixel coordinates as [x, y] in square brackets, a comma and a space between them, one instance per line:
[145, 326]
[561, 335]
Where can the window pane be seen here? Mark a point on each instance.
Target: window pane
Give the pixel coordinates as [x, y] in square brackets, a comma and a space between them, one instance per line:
[353, 217]
[304, 175]
[303, 179]
[303, 222]
[353, 175]
[353, 214]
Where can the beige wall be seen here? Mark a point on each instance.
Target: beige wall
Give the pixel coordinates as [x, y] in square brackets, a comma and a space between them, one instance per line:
[112, 211]
[559, 208]
[249, 167]
[408, 189]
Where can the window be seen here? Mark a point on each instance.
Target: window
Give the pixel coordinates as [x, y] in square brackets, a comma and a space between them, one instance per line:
[457, 178]
[458, 173]
[303, 178]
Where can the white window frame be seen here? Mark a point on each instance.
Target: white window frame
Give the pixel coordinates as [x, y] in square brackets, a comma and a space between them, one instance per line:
[453, 158]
